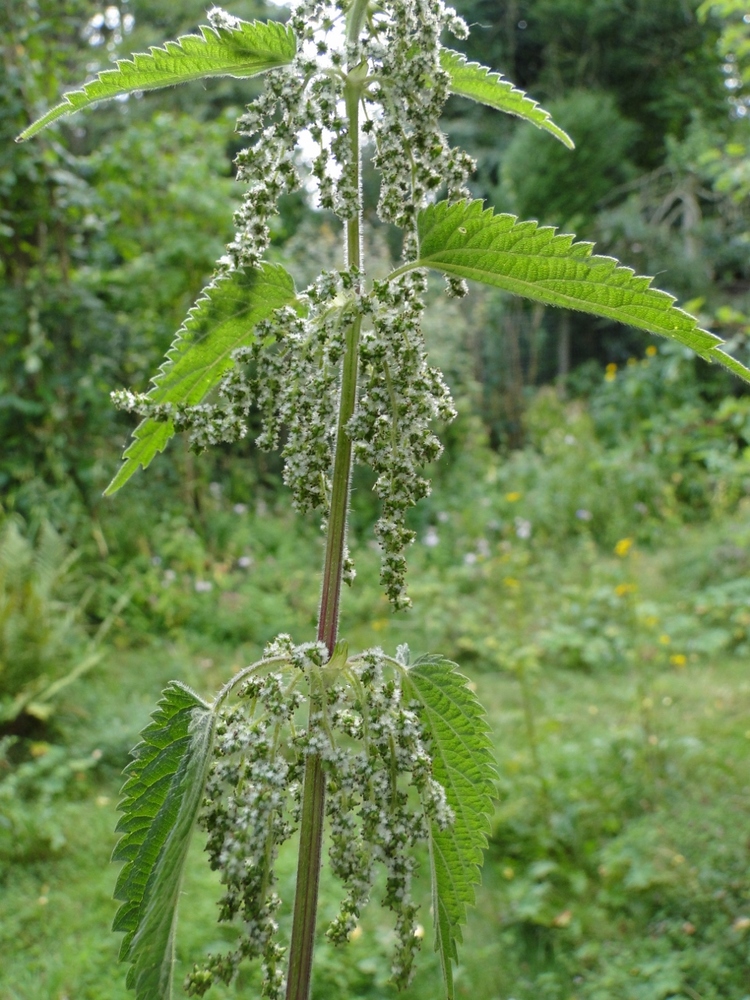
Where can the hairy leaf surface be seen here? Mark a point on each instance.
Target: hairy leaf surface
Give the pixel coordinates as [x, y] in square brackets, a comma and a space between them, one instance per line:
[480, 84]
[162, 796]
[535, 261]
[222, 319]
[250, 48]
[464, 766]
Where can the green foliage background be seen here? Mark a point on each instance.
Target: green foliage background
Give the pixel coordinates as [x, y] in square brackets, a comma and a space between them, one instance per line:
[616, 685]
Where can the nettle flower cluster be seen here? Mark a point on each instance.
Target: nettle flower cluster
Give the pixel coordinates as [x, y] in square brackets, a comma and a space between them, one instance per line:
[400, 396]
[291, 374]
[381, 797]
[404, 98]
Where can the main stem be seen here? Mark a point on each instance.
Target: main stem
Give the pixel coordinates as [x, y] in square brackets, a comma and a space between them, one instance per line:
[313, 794]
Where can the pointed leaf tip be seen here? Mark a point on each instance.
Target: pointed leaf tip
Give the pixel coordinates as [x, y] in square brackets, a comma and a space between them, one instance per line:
[468, 241]
[481, 84]
[223, 319]
[162, 796]
[243, 50]
[463, 764]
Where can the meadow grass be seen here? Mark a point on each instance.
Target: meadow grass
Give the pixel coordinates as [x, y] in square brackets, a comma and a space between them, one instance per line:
[618, 696]
[617, 859]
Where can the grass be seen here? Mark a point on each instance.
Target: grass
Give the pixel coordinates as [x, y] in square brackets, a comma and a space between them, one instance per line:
[617, 868]
[618, 697]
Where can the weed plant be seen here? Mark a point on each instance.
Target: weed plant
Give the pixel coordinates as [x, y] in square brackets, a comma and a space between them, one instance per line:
[393, 755]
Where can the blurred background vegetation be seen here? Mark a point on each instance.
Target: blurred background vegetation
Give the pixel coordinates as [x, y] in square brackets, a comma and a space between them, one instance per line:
[584, 554]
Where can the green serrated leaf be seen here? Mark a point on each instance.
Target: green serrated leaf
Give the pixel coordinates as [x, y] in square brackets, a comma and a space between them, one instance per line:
[480, 84]
[249, 48]
[468, 241]
[464, 766]
[222, 319]
[162, 796]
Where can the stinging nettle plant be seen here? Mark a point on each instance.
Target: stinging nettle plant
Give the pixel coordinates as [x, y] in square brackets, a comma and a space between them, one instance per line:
[395, 754]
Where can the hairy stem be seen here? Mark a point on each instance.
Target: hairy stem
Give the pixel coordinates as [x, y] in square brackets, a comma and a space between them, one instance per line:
[336, 538]
[313, 794]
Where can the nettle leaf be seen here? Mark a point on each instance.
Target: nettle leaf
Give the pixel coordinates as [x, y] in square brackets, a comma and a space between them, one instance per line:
[464, 766]
[222, 319]
[468, 241]
[480, 84]
[249, 48]
[162, 796]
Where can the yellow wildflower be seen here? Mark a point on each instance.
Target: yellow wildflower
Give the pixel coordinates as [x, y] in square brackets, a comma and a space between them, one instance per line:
[610, 372]
[665, 639]
[678, 659]
[510, 581]
[650, 351]
[623, 547]
[512, 497]
[625, 588]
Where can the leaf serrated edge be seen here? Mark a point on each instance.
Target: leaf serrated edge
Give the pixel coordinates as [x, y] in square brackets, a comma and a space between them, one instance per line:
[459, 216]
[477, 831]
[137, 914]
[519, 105]
[76, 100]
[183, 341]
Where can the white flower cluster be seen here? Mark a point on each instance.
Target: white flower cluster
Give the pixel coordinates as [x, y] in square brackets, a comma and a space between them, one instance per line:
[306, 656]
[250, 808]
[292, 372]
[295, 365]
[267, 167]
[409, 89]
[404, 100]
[381, 798]
[297, 386]
[206, 424]
[307, 95]
[220, 20]
[400, 396]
